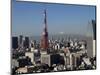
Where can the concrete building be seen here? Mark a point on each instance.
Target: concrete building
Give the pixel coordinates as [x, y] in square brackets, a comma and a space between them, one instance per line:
[45, 58]
[31, 56]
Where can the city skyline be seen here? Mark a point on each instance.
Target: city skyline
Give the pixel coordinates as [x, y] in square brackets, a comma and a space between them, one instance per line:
[27, 18]
[52, 37]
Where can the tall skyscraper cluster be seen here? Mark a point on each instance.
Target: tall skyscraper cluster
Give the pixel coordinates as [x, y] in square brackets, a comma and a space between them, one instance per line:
[20, 42]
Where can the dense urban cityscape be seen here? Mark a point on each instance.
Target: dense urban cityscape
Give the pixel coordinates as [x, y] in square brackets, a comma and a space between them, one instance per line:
[52, 54]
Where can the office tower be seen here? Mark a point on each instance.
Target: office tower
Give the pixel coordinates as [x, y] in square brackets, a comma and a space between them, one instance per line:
[44, 39]
[20, 41]
[94, 37]
[94, 29]
[14, 42]
[91, 42]
[35, 44]
[45, 58]
[51, 59]
[26, 42]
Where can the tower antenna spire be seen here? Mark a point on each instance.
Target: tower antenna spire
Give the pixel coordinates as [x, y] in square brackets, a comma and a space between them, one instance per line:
[45, 18]
[44, 40]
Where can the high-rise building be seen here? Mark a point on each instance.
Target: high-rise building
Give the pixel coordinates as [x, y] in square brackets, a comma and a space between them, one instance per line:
[94, 37]
[21, 41]
[91, 47]
[26, 42]
[51, 59]
[14, 42]
[44, 39]
[94, 29]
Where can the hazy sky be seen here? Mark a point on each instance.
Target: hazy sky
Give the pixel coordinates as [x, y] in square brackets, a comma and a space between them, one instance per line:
[28, 19]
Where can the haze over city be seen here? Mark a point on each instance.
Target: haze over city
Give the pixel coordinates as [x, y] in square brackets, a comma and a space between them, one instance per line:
[27, 18]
